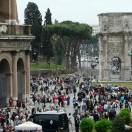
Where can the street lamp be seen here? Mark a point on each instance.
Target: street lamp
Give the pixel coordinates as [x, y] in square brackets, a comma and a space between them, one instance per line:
[130, 54]
[87, 60]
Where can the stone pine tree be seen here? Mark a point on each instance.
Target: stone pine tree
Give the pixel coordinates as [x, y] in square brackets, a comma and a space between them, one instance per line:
[67, 37]
[33, 17]
[46, 36]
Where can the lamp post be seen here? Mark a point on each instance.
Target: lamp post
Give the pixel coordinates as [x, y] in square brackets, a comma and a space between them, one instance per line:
[86, 62]
[130, 54]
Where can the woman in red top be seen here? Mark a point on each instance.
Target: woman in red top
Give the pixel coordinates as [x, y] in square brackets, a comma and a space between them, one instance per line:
[62, 100]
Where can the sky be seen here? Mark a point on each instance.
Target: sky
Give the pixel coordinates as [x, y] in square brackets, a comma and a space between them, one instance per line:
[83, 11]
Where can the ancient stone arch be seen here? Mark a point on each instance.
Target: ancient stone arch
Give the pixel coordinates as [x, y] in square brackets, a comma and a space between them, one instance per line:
[5, 81]
[20, 78]
[8, 57]
[14, 54]
[115, 40]
[14, 69]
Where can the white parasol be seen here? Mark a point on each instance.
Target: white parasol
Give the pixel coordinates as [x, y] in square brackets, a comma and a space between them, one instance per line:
[27, 126]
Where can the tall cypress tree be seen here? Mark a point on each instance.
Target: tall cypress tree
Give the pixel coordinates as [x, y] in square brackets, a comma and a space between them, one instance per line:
[48, 20]
[47, 45]
[33, 17]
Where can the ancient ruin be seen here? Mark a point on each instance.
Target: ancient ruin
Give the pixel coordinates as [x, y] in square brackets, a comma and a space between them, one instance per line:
[14, 54]
[115, 41]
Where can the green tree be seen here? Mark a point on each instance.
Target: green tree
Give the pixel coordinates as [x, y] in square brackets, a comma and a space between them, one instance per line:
[47, 49]
[48, 19]
[58, 48]
[32, 14]
[71, 35]
[118, 124]
[46, 37]
[33, 17]
[126, 115]
[86, 125]
[103, 125]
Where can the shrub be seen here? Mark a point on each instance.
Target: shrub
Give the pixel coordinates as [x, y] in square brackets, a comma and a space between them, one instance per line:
[118, 124]
[86, 125]
[103, 125]
[125, 114]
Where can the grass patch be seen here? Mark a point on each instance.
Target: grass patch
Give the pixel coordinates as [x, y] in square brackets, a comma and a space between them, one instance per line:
[45, 66]
[121, 84]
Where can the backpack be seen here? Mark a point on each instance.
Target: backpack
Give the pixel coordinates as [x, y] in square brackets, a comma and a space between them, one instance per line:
[77, 121]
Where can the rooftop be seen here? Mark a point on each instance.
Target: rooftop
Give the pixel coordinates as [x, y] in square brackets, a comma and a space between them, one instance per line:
[51, 112]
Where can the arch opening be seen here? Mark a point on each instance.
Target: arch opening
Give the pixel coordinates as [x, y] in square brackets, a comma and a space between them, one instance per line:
[5, 84]
[20, 79]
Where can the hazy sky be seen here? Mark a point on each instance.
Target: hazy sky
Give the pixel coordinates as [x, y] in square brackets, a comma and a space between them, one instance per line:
[84, 11]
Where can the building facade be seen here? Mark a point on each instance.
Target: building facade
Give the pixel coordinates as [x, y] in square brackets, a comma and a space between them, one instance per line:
[15, 49]
[115, 41]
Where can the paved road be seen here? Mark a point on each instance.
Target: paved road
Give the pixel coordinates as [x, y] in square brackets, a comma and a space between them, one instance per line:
[69, 109]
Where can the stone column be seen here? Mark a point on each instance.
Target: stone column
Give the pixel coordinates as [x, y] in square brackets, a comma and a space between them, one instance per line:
[24, 85]
[4, 10]
[106, 70]
[10, 6]
[27, 67]
[9, 85]
[100, 58]
[13, 12]
[8, 11]
[10, 92]
[13, 9]
[127, 62]
[103, 70]
[14, 76]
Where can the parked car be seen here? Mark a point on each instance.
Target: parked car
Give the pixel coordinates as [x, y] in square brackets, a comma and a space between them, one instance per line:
[51, 121]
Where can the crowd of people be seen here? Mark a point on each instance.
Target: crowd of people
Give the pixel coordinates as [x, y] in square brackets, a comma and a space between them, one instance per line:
[97, 102]
[63, 92]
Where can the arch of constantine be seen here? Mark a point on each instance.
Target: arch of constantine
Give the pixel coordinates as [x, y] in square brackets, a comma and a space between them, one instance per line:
[115, 41]
[14, 54]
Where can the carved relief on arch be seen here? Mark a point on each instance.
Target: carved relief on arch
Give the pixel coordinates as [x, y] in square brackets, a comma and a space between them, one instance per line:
[116, 65]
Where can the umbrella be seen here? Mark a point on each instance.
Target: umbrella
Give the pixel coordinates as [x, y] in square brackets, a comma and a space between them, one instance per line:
[28, 126]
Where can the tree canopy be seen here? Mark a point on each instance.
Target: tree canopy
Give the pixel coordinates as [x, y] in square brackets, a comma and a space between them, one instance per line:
[32, 14]
[47, 49]
[69, 28]
[33, 17]
[48, 19]
[70, 35]
[58, 40]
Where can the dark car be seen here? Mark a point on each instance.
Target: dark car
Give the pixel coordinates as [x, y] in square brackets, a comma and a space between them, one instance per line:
[51, 121]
